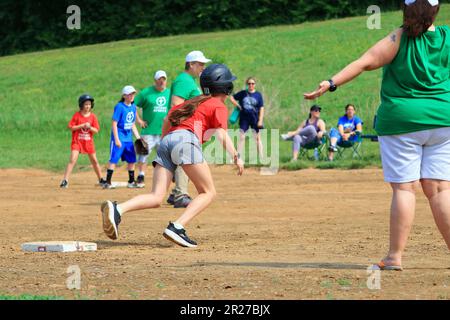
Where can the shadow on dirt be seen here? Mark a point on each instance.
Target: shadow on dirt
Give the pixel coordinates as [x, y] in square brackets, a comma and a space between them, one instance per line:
[283, 265]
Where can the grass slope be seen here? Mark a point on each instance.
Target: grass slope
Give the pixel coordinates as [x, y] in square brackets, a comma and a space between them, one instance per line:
[40, 90]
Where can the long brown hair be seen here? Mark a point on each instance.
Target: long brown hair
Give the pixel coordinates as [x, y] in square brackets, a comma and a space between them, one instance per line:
[187, 110]
[418, 17]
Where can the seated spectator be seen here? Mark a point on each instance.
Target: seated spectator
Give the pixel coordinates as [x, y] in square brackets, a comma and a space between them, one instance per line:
[347, 128]
[311, 130]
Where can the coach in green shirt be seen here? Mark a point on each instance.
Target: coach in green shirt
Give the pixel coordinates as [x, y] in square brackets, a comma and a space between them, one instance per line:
[154, 102]
[413, 120]
[183, 88]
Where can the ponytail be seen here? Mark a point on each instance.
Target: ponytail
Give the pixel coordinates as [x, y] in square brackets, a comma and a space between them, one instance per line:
[187, 110]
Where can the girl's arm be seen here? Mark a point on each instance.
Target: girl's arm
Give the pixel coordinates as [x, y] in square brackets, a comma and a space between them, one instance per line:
[78, 127]
[382, 53]
[93, 129]
[135, 131]
[165, 127]
[261, 117]
[227, 144]
[322, 128]
[234, 102]
[116, 134]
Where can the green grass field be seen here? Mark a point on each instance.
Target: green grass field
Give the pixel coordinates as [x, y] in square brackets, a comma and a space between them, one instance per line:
[40, 90]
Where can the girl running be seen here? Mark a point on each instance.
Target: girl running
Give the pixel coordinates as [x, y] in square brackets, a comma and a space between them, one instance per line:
[183, 133]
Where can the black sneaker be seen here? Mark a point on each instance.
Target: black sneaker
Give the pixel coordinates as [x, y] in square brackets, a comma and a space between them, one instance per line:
[64, 184]
[182, 202]
[333, 149]
[178, 236]
[111, 219]
[171, 199]
[140, 181]
[101, 182]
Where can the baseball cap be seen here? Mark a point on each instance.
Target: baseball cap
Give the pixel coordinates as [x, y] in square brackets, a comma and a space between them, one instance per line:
[159, 74]
[431, 2]
[315, 107]
[128, 90]
[196, 56]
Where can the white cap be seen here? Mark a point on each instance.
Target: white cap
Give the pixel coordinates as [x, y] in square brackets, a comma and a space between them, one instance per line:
[197, 56]
[431, 2]
[159, 74]
[128, 90]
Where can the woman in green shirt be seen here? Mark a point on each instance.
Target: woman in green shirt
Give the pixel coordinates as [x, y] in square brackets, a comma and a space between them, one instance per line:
[413, 119]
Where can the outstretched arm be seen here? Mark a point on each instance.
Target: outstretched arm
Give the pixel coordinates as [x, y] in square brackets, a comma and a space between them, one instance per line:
[382, 53]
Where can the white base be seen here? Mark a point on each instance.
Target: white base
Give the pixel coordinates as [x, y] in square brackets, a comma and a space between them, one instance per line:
[119, 184]
[59, 246]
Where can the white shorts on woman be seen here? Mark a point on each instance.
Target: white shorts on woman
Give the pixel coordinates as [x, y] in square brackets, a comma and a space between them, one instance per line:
[416, 155]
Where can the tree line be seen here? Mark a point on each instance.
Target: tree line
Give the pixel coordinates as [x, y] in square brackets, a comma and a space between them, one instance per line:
[31, 25]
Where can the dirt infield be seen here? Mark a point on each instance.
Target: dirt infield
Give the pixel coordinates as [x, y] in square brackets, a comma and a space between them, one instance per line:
[308, 234]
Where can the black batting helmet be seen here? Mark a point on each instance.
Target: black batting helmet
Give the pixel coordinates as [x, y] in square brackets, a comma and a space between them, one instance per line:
[85, 97]
[217, 78]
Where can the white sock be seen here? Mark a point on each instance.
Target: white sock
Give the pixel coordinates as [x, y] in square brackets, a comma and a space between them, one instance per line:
[178, 226]
[142, 173]
[119, 209]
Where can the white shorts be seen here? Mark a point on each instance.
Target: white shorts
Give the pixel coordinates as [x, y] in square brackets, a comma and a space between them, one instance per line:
[153, 141]
[416, 155]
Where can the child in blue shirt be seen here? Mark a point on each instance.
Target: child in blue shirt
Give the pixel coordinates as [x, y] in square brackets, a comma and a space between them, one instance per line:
[121, 144]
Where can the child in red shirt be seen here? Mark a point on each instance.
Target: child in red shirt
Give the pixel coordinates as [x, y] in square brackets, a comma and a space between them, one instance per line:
[83, 126]
[184, 130]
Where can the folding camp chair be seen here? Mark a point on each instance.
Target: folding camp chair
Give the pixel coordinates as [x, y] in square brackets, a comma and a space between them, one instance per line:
[353, 145]
[317, 148]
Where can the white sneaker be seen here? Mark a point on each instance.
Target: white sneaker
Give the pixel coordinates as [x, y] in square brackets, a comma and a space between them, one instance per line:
[285, 136]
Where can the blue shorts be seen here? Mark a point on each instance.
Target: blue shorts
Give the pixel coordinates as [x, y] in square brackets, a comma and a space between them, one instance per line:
[178, 148]
[246, 123]
[125, 153]
[334, 133]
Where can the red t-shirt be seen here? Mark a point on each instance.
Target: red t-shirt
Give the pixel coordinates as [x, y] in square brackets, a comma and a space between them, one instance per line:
[83, 139]
[210, 114]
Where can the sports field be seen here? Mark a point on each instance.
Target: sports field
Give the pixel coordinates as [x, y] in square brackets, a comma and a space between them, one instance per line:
[307, 234]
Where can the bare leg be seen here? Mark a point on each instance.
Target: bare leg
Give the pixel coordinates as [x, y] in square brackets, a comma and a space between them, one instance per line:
[403, 207]
[241, 141]
[161, 182]
[438, 194]
[73, 160]
[200, 175]
[259, 144]
[296, 145]
[142, 167]
[95, 165]
[333, 142]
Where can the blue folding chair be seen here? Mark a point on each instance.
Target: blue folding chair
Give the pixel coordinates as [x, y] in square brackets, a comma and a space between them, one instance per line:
[354, 145]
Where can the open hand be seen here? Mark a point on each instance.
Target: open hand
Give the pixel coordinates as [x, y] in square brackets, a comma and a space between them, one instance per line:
[323, 87]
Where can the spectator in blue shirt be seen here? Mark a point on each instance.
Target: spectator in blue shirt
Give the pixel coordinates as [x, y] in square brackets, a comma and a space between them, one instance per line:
[251, 105]
[346, 130]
